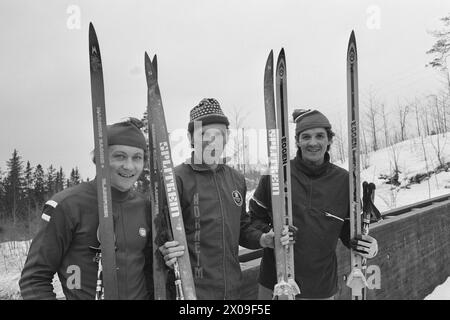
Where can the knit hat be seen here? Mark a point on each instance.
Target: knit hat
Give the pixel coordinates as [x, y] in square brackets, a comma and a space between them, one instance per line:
[308, 119]
[207, 111]
[127, 133]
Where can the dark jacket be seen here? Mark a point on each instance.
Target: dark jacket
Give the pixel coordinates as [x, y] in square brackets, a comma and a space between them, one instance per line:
[320, 209]
[69, 228]
[216, 223]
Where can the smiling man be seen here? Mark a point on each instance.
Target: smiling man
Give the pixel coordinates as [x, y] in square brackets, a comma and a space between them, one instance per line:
[320, 210]
[70, 223]
[212, 198]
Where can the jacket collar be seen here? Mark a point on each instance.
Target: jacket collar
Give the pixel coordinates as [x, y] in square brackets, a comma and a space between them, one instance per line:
[116, 195]
[309, 169]
[202, 167]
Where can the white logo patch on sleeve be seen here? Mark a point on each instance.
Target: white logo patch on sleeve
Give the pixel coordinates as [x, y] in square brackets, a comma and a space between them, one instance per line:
[51, 203]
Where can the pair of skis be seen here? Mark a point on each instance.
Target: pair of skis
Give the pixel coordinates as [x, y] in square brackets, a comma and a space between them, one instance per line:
[357, 277]
[280, 172]
[161, 173]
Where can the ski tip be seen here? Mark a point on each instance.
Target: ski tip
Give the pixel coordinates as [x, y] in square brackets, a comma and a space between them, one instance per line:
[149, 71]
[155, 66]
[92, 33]
[147, 61]
[352, 37]
[269, 62]
[351, 49]
[281, 58]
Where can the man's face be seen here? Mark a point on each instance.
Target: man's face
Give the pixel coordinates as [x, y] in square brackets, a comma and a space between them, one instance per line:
[209, 142]
[126, 165]
[313, 143]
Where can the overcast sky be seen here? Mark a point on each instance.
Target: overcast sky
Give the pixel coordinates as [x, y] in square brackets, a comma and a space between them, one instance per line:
[205, 49]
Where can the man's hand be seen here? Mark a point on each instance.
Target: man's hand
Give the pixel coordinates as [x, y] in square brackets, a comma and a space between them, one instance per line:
[365, 246]
[287, 237]
[171, 250]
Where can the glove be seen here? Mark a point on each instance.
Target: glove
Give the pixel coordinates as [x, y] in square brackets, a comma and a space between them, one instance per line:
[365, 246]
[288, 235]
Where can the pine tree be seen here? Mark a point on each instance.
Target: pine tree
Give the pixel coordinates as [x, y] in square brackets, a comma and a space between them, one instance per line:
[28, 188]
[39, 185]
[28, 181]
[50, 181]
[74, 177]
[61, 179]
[2, 195]
[14, 186]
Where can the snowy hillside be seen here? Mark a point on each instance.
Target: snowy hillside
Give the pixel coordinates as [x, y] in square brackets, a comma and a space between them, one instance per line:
[414, 161]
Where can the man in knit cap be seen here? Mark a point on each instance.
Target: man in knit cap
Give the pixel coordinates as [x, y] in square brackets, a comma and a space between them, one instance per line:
[70, 222]
[212, 197]
[320, 209]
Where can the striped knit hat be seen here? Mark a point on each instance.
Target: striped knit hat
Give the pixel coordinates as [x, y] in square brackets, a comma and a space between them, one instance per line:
[207, 111]
[308, 119]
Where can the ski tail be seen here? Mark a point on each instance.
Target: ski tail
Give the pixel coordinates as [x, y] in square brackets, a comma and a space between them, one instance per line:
[184, 282]
[107, 265]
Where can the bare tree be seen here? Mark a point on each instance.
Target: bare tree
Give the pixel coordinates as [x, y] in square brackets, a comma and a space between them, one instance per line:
[426, 166]
[339, 142]
[365, 151]
[238, 116]
[371, 115]
[425, 120]
[416, 111]
[385, 125]
[403, 113]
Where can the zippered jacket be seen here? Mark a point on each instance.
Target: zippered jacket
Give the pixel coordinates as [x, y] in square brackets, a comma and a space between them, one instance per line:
[216, 223]
[320, 209]
[69, 228]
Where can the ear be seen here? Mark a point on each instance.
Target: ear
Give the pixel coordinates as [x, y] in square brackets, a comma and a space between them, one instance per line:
[227, 136]
[190, 138]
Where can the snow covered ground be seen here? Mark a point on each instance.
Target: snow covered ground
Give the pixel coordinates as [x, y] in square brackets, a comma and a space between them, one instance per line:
[13, 255]
[441, 292]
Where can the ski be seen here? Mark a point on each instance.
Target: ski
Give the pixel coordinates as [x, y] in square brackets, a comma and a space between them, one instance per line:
[158, 221]
[107, 257]
[280, 181]
[184, 282]
[356, 280]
